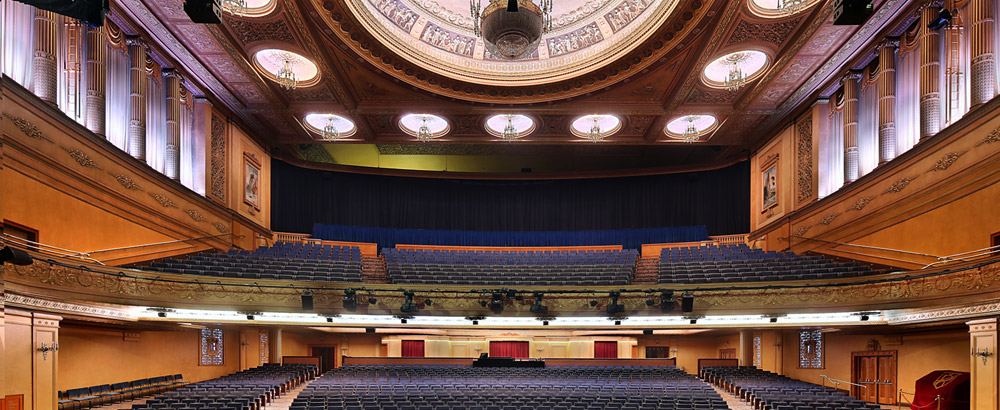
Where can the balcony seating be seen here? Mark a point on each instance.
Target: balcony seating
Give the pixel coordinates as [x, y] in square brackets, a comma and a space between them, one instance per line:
[740, 263]
[86, 397]
[517, 268]
[285, 261]
[246, 390]
[381, 387]
[766, 390]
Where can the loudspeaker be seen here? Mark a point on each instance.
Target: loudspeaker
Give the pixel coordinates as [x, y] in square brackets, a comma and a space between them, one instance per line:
[203, 11]
[687, 302]
[647, 332]
[369, 330]
[851, 12]
[307, 300]
[15, 256]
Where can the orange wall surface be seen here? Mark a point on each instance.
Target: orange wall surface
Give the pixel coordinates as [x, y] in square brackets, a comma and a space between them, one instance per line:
[89, 357]
[689, 348]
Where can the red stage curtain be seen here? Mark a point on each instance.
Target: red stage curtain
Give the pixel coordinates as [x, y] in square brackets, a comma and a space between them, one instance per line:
[509, 349]
[413, 348]
[605, 350]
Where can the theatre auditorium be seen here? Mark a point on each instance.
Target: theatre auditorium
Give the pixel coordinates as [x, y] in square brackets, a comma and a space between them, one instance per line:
[499, 204]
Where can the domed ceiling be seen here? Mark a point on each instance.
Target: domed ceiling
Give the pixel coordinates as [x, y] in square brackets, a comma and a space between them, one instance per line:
[647, 63]
[585, 35]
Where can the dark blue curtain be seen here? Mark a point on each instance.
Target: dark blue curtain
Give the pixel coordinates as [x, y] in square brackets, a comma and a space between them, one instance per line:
[717, 199]
[389, 237]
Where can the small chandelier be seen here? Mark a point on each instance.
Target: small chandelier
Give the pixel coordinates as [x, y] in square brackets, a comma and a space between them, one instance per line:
[286, 77]
[595, 134]
[234, 7]
[790, 7]
[736, 79]
[690, 134]
[511, 29]
[509, 133]
[424, 132]
[330, 132]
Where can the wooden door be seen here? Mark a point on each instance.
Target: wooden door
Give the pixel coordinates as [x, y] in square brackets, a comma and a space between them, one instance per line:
[727, 353]
[876, 371]
[886, 379]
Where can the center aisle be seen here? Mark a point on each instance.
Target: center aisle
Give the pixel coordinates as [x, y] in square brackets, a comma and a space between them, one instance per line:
[732, 401]
[285, 401]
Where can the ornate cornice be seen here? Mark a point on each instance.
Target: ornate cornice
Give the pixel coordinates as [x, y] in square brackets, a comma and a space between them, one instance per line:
[22, 301]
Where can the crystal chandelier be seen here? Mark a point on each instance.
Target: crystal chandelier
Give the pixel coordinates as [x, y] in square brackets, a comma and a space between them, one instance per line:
[330, 131]
[736, 79]
[286, 77]
[595, 134]
[511, 29]
[424, 132]
[790, 7]
[234, 7]
[509, 133]
[690, 134]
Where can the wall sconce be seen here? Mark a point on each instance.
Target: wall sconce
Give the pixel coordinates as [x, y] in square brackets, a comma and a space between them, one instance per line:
[54, 347]
[984, 354]
[673, 352]
[539, 348]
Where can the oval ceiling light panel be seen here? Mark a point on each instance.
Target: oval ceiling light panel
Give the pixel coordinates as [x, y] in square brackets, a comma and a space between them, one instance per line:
[606, 125]
[779, 8]
[750, 62]
[689, 127]
[424, 126]
[318, 123]
[270, 61]
[521, 126]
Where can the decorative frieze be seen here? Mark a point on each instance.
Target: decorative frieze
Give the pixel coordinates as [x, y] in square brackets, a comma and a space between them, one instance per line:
[163, 201]
[26, 127]
[221, 227]
[860, 204]
[197, 216]
[126, 182]
[828, 219]
[899, 185]
[81, 158]
[946, 161]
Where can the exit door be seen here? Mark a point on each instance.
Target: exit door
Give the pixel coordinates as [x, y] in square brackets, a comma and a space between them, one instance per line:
[875, 371]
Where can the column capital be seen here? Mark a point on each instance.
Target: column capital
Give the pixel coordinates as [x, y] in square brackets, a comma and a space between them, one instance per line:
[173, 73]
[136, 41]
[888, 42]
[850, 75]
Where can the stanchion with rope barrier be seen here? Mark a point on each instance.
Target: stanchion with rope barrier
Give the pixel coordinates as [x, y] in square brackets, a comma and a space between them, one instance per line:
[900, 397]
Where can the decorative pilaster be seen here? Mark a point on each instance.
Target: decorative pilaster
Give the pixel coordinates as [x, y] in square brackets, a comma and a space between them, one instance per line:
[983, 345]
[43, 68]
[983, 67]
[887, 100]
[852, 166]
[930, 73]
[172, 156]
[137, 79]
[96, 53]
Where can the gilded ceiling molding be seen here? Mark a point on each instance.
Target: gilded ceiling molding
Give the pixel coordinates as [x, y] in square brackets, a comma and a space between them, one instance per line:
[947, 161]
[335, 82]
[22, 301]
[689, 84]
[860, 204]
[81, 158]
[126, 182]
[237, 57]
[899, 185]
[963, 312]
[26, 127]
[163, 200]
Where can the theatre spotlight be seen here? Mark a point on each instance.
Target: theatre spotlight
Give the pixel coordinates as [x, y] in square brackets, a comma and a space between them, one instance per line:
[538, 308]
[402, 321]
[618, 323]
[694, 321]
[15, 256]
[774, 320]
[372, 300]
[614, 308]
[593, 303]
[329, 319]
[408, 305]
[249, 317]
[650, 302]
[350, 300]
[428, 302]
[161, 314]
[496, 303]
[307, 300]
[864, 318]
[667, 301]
[941, 20]
[687, 302]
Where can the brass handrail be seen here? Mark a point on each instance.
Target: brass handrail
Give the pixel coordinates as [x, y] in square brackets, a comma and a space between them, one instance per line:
[839, 382]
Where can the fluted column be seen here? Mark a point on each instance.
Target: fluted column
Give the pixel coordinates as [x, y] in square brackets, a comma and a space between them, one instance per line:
[852, 167]
[983, 67]
[172, 156]
[930, 73]
[887, 100]
[43, 68]
[137, 99]
[96, 54]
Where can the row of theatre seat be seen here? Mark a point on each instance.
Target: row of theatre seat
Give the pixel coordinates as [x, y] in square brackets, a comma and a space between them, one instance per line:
[436, 388]
[85, 397]
[233, 265]
[311, 251]
[519, 268]
[769, 391]
[752, 265]
[250, 389]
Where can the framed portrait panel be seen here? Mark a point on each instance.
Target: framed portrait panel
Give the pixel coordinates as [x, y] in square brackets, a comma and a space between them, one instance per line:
[770, 186]
[251, 181]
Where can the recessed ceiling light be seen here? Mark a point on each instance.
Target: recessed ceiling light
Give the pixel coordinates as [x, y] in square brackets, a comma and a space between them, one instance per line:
[751, 64]
[510, 126]
[323, 124]
[599, 125]
[779, 8]
[270, 61]
[424, 126]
